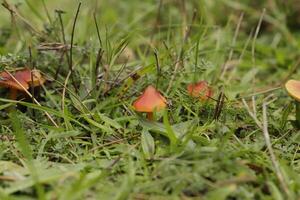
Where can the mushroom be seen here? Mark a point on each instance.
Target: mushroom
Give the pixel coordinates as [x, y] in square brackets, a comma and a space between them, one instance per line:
[293, 89]
[151, 100]
[21, 80]
[200, 89]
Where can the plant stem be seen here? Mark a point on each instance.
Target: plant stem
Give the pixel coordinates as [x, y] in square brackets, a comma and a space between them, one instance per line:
[13, 94]
[150, 116]
[297, 114]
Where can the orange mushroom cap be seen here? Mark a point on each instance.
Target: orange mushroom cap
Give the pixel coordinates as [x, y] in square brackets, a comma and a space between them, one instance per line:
[7, 81]
[23, 76]
[293, 88]
[151, 100]
[200, 89]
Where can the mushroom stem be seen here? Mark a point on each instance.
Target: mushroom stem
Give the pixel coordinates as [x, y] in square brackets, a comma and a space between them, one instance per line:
[150, 116]
[13, 94]
[297, 113]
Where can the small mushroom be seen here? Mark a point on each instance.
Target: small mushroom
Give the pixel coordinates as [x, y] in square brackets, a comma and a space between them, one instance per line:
[200, 90]
[293, 89]
[151, 100]
[20, 81]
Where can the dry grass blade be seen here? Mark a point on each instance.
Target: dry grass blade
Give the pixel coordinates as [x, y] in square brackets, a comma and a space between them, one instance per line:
[252, 114]
[264, 127]
[56, 46]
[273, 158]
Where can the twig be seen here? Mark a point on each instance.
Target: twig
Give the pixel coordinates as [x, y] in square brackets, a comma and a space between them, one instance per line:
[9, 178]
[254, 117]
[273, 158]
[55, 46]
[264, 127]
[260, 92]
[35, 101]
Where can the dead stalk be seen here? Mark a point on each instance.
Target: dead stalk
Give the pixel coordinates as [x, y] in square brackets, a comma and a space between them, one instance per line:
[264, 127]
[273, 158]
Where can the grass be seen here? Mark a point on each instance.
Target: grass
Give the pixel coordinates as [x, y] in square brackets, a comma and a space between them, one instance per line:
[102, 149]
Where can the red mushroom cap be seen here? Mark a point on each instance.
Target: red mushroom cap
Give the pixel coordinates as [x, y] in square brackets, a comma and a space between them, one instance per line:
[23, 76]
[151, 100]
[293, 88]
[8, 82]
[200, 89]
